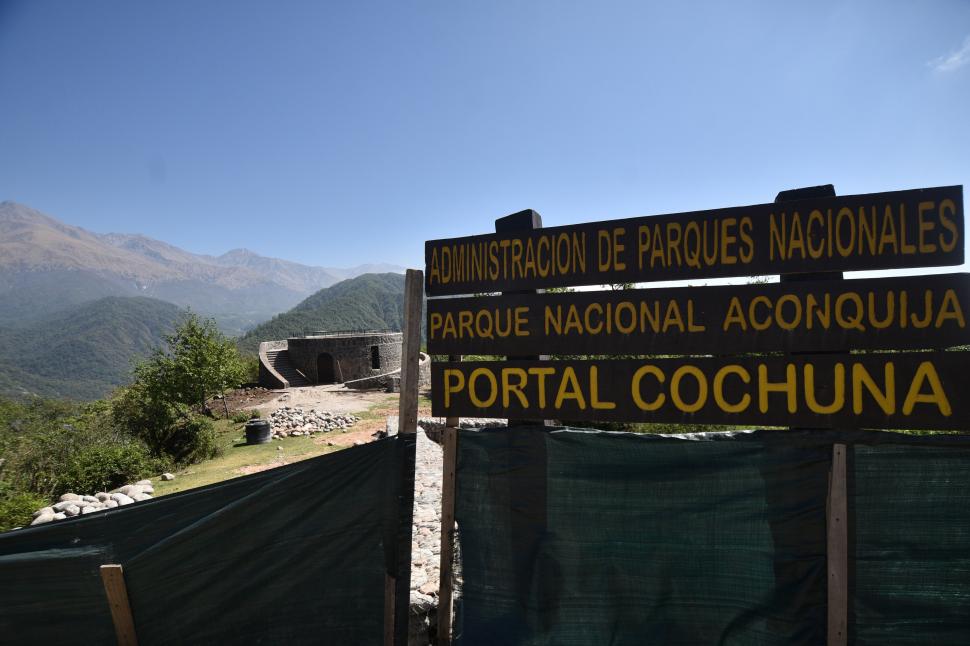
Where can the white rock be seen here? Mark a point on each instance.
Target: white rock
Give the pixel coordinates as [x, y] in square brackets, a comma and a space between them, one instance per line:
[89, 499]
[69, 496]
[102, 496]
[44, 511]
[144, 482]
[130, 490]
[147, 489]
[61, 506]
[138, 497]
[121, 499]
[88, 509]
[43, 518]
[110, 504]
[168, 476]
[72, 510]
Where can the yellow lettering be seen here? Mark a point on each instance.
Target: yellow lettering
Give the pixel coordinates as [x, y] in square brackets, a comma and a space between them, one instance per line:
[541, 374]
[719, 398]
[473, 392]
[788, 387]
[618, 248]
[926, 373]
[569, 389]
[949, 225]
[766, 322]
[735, 315]
[886, 399]
[594, 392]
[508, 388]
[452, 387]
[838, 384]
[675, 397]
[636, 391]
[925, 227]
[950, 309]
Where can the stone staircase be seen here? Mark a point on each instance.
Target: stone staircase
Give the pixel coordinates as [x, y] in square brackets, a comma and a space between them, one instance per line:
[280, 361]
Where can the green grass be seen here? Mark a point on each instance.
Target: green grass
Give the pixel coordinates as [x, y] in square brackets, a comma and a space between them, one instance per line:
[237, 454]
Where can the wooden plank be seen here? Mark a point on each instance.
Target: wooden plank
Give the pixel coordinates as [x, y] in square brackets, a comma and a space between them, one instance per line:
[453, 422]
[390, 608]
[899, 229]
[916, 390]
[113, 578]
[407, 429]
[895, 313]
[410, 354]
[523, 221]
[445, 574]
[838, 549]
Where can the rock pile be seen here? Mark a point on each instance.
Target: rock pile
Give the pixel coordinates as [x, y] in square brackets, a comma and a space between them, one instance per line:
[288, 422]
[72, 504]
[438, 423]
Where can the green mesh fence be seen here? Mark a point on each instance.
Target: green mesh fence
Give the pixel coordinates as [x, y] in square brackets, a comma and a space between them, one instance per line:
[576, 538]
[910, 508]
[297, 554]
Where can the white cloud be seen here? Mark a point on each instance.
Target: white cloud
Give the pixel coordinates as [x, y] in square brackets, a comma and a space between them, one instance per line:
[953, 60]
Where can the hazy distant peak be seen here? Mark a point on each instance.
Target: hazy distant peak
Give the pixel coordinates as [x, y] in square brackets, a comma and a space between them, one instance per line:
[14, 211]
[153, 249]
[31, 241]
[22, 224]
[239, 253]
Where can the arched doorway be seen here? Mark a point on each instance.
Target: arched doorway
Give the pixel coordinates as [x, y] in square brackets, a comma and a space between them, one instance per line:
[326, 374]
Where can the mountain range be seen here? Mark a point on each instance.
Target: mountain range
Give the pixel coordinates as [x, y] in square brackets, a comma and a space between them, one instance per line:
[85, 351]
[47, 266]
[77, 308]
[367, 302]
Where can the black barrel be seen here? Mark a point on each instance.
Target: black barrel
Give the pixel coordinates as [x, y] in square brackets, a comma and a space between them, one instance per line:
[258, 431]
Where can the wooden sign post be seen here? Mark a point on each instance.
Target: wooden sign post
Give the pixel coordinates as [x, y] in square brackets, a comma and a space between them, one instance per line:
[397, 584]
[809, 352]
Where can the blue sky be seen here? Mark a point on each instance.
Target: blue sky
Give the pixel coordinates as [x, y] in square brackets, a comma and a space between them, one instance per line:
[337, 133]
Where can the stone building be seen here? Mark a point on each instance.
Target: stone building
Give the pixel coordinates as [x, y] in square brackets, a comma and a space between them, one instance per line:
[355, 359]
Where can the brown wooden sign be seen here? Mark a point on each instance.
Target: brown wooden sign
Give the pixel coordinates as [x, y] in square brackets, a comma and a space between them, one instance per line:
[887, 390]
[914, 312]
[914, 228]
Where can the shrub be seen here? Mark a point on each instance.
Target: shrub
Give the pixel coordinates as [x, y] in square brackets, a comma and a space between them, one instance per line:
[103, 467]
[241, 416]
[250, 368]
[17, 506]
[169, 430]
[193, 439]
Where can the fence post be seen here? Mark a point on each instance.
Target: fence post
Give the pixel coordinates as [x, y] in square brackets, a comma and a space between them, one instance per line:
[837, 527]
[446, 582]
[397, 589]
[113, 578]
[449, 439]
[837, 581]
[529, 481]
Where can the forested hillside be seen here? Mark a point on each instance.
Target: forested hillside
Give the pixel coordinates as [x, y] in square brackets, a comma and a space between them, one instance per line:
[83, 352]
[368, 302]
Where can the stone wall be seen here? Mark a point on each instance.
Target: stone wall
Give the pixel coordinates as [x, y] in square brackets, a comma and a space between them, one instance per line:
[268, 377]
[391, 381]
[352, 355]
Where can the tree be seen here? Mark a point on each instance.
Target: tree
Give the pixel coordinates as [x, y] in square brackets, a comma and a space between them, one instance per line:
[170, 389]
[199, 362]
